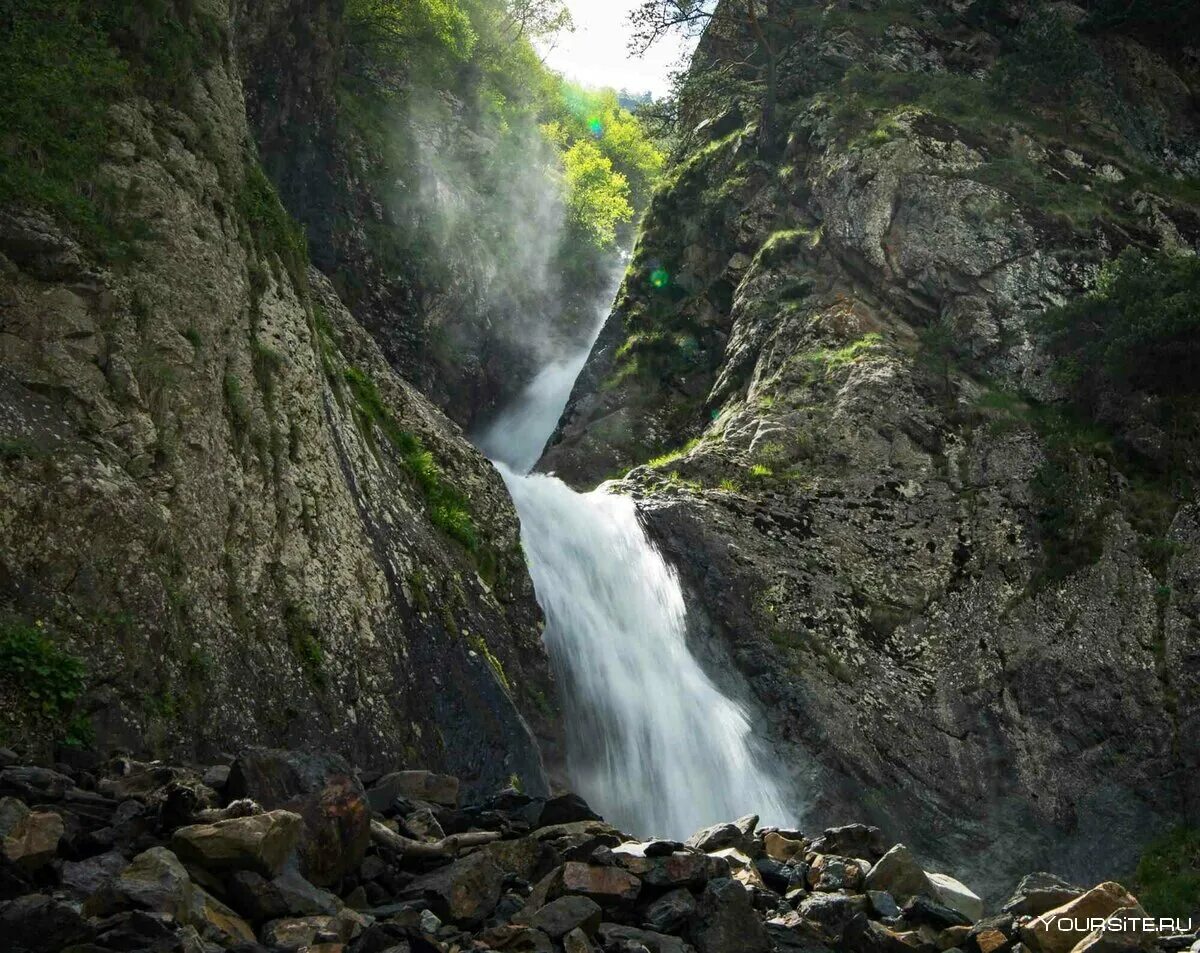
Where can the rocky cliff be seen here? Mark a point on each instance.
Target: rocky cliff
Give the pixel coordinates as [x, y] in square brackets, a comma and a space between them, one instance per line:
[225, 519]
[963, 600]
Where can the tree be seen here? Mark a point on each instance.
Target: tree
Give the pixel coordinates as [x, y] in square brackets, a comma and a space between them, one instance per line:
[768, 26]
[534, 19]
[597, 195]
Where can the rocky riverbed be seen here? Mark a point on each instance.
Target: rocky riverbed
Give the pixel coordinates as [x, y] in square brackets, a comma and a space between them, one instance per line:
[295, 851]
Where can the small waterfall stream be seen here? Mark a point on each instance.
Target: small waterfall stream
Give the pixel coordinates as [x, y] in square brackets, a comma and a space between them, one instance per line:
[652, 743]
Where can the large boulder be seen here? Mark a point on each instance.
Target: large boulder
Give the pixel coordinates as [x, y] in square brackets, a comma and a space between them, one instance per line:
[679, 869]
[606, 885]
[559, 917]
[39, 924]
[956, 895]
[413, 786]
[28, 838]
[464, 892]
[1058, 930]
[327, 795]
[1039, 892]
[262, 842]
[726, 920]
[898, 873]
[289, 894]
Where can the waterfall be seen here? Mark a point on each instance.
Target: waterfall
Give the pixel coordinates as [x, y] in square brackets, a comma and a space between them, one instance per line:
[652, 743]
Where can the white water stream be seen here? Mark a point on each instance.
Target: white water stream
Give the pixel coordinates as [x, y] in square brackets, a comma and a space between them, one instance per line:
[652, 744]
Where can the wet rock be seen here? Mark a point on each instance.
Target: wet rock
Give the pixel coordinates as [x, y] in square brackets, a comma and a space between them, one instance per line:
[413, 785]
[726, 920]
[1039, 892]
[85, 877]
[566, 809]
[263, 842]
[463, 892]
[921, 909]
[899, 874]
[777, 876]
[561, 916]
[322, 789]
[1058, 930]
[41, 924]
[670, 912]
[883, 904]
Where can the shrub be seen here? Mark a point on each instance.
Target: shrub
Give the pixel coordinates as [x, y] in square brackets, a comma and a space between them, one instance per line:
[48, 676]
[1047, 62]
[1168, 874]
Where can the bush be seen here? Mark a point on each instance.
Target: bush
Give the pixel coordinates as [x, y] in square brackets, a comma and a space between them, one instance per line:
[49, 677]
[1047, 62]
[1168, 874]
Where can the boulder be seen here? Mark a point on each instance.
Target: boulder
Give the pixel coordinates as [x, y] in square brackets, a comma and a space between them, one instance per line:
[883, 904]
[1058, 930]
[781, 848]
[577, 942]
[327, 795]
[670, 870]
[606, 885]
[415, 786]
[956, 896]
[559, 917]
[464, 892]
[922, 909]
[289, 894]
[620, 937]
[899, 874]
[670, 912]
[1038, 893]
[29, 838]
[566, 809]
[726, 920]
[39, 924]
[717, 837]
[84, 877]
[851, 840]
[263, 842]
[1130, 936]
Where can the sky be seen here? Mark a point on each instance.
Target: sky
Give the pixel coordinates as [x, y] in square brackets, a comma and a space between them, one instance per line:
[597, 54]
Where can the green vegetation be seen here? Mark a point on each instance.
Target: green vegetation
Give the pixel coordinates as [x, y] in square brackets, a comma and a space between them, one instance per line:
[480, 646]
[1167, 881]
[673, 455]
[272, 230]
[448, 509]
[49, 677]
[62, 64]
[1137, 334]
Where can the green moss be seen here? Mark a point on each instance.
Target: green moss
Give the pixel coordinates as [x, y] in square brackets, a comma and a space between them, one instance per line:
[479, 645]
[272, 230]
[16, 448]
[673, 455]
[1167, 881]
[448, 509]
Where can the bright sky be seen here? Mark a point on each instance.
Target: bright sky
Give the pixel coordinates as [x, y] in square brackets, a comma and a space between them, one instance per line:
[597, 53]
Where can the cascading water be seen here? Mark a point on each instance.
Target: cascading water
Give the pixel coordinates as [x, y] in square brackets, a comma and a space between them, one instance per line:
[652, 743]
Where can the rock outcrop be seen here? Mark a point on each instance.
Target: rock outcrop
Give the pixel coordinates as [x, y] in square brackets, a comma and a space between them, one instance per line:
[956, 607]
[218, 499]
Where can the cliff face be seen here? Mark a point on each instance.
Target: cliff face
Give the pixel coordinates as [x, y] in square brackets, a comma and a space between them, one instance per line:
[214, 491]
[965, 613]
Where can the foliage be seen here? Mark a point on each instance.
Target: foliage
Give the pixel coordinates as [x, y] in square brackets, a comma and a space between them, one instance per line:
[272, 230]
[1168, 875]
[62, 64]
[50, 677]
[597, 197]
[1047, 62]
[448, 509]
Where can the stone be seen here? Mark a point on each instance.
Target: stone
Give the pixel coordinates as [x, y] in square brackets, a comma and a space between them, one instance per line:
[423, 825]
[40, 924]
[262, 842]
[1130, 935]
[577, 942]
[956, 895]
[851, 840]
[516, 938]
[217, 776]
[559, 917]
[464, 892]
[289, 894]
[725, 920]
[717, 837]
[828, 872]
[832, 912]
[661, 848]
[670, 912]
[413, 785]
[327, 795]
[1058, 930]
[298, 933]
[607, 885]
[1038, 893]
[31, 839]
[991, 941]
[566, 809]
[922, 909]
[84, 877]
[884, 904]
[669, 870]
[899, 874]
[953, 937]
[620, 937]
[782, 848]
[778, 876]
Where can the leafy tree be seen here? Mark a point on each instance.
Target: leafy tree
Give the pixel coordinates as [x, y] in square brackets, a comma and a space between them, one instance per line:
[597, 195]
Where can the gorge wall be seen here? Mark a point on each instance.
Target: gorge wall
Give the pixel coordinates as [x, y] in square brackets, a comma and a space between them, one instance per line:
[214, 490]
[966, 600]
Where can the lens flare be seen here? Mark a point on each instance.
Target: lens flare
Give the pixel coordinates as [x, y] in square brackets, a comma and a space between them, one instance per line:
[659, 278]
[595, 126]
